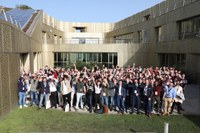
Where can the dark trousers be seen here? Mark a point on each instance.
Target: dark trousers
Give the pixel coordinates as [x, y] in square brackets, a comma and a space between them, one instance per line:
[135, 101]
[96, 100]
[157, 99]
[120, 103]
[147, 105]
[90, 101]
[53, 99]
[67, 99]
[178, 107]
[128, 102]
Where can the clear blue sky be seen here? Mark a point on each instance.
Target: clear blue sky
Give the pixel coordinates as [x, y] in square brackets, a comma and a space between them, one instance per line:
[86, 10]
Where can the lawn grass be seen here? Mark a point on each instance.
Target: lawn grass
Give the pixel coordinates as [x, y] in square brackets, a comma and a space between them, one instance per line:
[32, 120]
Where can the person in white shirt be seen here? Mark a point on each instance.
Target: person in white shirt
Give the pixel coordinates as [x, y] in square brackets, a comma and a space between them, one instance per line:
[179, 98]
[53, 91]
[97, 87]
[66, 91]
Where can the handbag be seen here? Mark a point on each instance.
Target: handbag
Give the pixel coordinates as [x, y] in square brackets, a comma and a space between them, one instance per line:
[48, 104]
[67, 108]
[181, 96]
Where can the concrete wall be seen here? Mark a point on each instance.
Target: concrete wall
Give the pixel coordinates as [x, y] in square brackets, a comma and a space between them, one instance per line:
[13, 43]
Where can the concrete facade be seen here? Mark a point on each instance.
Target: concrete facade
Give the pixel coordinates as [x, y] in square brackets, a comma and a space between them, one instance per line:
[141, 39]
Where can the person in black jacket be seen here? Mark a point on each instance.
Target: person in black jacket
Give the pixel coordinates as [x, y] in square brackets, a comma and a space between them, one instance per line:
[22, 88]
[135, 96]
[147, 95]
[44, 91]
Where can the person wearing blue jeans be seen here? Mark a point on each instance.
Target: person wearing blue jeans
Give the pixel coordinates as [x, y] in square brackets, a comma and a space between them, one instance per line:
[81, 90]
[22, 88]
[121, 94]
[44, 91]
[33, 91]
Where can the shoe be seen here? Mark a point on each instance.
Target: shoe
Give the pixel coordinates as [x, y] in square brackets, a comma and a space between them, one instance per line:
[20, 106]
[25, 106]
[179, 113]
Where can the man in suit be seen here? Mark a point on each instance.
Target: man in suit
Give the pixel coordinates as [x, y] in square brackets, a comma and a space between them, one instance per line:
[135, 96]
[121, 94]
[147, 95]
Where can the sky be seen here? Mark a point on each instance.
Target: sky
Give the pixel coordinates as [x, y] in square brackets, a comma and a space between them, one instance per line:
[86, 10]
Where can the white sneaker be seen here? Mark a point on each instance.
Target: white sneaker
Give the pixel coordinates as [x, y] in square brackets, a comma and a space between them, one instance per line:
[25, 106]
[20, 106]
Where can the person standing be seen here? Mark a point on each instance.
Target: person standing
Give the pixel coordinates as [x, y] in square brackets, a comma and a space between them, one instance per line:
[156, 96]
[147, 95]
[81, 90]
[53, 91]
[97, 92]
[169, 97]
[66, 91]
[33, 90]
[179, 98]
[44, 92]
[22, 88]
[121, 94]
[135, 96]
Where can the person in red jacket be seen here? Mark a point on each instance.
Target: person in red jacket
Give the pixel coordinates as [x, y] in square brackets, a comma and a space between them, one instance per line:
[156, 96]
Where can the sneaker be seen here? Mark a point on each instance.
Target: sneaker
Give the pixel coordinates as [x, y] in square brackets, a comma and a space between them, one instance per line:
[25, 106]
[20, 106]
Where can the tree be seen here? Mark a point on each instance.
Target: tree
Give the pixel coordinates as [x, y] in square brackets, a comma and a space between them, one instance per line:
[23, 7]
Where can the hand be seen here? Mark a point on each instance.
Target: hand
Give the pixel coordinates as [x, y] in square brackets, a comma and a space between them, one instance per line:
[149, 99]
[123, 99]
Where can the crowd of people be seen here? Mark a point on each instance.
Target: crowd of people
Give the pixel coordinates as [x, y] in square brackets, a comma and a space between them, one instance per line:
[128, 89]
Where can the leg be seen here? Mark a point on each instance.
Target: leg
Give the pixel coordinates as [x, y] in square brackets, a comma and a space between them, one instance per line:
[20, 99]
[122, 100]
[172, 108]
[69, 99]
[32, 97]
[36, 98]
[138, 104]
[64, 100]
[46, 98]
[78, 99]
[24, 98]
[41, 100]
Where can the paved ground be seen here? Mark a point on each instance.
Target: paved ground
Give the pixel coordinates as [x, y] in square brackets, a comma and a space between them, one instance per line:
[192, 102]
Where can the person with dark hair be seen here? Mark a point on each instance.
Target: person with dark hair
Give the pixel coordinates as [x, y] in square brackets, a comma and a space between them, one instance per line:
[66, 90]
[53, 91]
[156, 96]
[90, 90]
[33, 90]
[44, 92]
[135, 96]
[81, 90]
[22, 88]
[97, 92]
[148, 94]
[121, 94]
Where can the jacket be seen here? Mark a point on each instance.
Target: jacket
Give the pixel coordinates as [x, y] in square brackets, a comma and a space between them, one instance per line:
[44, 89]
[22, 87]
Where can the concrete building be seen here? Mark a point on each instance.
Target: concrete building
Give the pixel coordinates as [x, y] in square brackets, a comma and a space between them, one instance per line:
[167, 34]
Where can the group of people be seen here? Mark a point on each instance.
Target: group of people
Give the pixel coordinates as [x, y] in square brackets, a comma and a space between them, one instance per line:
[122, 89]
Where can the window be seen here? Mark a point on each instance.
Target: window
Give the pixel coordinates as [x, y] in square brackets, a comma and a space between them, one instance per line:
[173, 60]
[147, 17]
[80, 29]
[189, 28]
[158, 32]
[64, 59]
